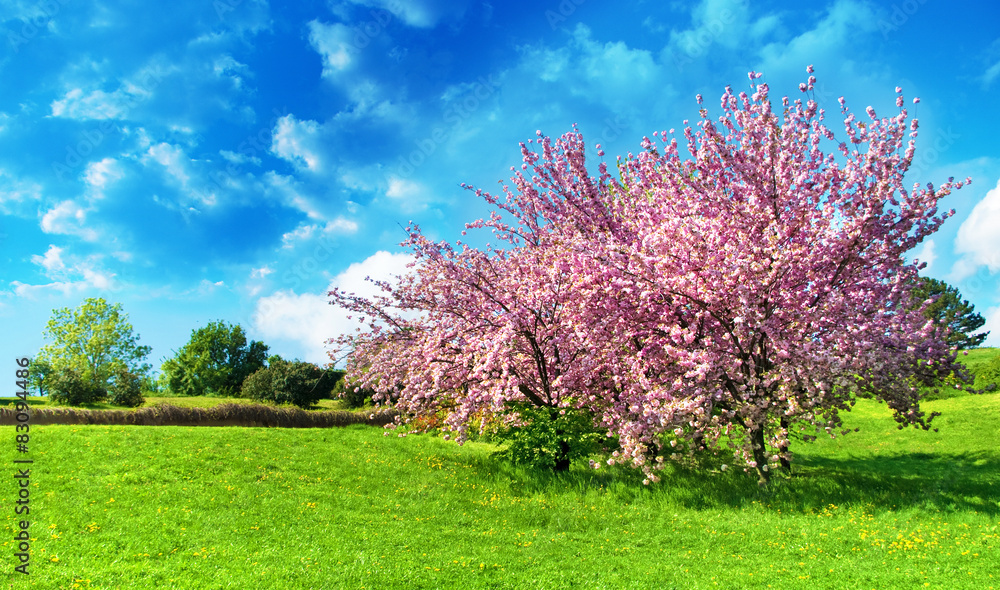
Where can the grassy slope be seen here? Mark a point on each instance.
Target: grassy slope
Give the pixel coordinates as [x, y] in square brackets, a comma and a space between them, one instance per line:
[170, 507]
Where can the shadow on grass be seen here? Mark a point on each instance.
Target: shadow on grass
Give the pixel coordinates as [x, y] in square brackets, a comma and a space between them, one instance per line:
[965, 482]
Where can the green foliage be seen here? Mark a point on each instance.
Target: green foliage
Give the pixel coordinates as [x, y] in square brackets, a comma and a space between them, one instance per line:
[289, 382]
[353, 395]
[949, 309]
[93, 340]
[70, 387]
[988, 375]
[548, 438]
[39, 372]
[126, 389]
[215, 361]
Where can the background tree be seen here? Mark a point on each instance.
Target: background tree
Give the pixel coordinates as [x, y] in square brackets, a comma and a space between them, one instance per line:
[722, 299]
[215, 361]
[38, 374]
[950, 310]
[93, 341]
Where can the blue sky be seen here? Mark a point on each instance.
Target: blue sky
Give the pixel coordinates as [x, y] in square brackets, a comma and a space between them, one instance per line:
[234, 159]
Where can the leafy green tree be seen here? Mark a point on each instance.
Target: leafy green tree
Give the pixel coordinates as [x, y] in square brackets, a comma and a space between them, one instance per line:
[93, 340]
[289, 382]
[949, 309]
[216, 361]
[38, 375]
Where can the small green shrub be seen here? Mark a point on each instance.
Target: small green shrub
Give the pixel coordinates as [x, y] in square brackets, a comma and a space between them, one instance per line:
[353, 396]
[988, 375]
[258, 385]
[548, 438]
[126, 389]
[72, 388]
[288, 382]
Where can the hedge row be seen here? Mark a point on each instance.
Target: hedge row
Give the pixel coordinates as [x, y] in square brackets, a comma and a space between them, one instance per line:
[221, 415]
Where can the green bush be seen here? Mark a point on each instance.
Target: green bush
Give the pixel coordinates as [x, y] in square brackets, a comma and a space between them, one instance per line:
[353, 396]
[988, 375]
[125, 389]
[69, 387]
[549, 438]
[288, 382]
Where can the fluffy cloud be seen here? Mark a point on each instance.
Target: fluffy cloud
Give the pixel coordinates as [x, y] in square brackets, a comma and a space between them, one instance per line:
[100, 174]
[298, 142]
[612, 74]
[52, 260]
[333, 43]
[308, 320]
[715, 21]
[304, 232]
[992, 316]
[93, 105]
[69, 275]
[978, 238]
[68, 218]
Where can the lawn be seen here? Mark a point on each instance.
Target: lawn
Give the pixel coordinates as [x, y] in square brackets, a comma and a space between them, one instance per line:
[176, 507]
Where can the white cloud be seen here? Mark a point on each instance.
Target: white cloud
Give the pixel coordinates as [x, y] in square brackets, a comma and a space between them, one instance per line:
[227, 67]
[95, 105]
[239, 158]
[844, 21]
[69, 274]
[170, 157]
[297, 142]
[978, 238]
[338, 226]
[34, 291]
[16, 193]
[100, 174]
[289, 191]
[67, 218]
[992, 317]
[612, 74]
[926, 253]
[333, 43]
[308, 320]
[716, 21]
[401, 188]
[52, 261]
[421, 14]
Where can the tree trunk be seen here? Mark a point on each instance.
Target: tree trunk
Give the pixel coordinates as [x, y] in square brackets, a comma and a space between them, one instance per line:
[783, 448]
[562, 460]
[757, 440]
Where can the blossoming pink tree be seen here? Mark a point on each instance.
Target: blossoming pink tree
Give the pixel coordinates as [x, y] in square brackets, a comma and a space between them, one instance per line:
[730, 296]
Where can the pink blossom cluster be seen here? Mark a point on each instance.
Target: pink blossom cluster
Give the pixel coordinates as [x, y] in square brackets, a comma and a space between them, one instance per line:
[726, 290]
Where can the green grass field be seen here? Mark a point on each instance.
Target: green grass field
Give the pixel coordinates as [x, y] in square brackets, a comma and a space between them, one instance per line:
[175, 507]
